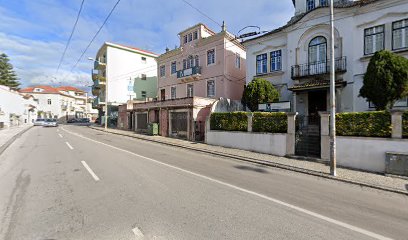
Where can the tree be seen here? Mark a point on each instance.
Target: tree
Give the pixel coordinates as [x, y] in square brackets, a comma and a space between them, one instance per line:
[259, 91]
[7, 75]
[386, 79]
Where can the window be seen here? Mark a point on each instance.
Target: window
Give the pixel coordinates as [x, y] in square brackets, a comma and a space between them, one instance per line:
[210, 56]
[237, 60]
[373, 39]
[173, 92]
[144, 94]
[190, 90]
[185, 39]
[143, 77]
[190, 37]
[184, 64]
[49, 101]
[310, 5]
[324, 3]
[163, 94]
[162, 71]
[400, 34]
[197, 61]
[276, 60]
[190, 62]
[173, 68]
[143, 59]
[195, 35]
[318, 50]
[210, 88]
[261, 63]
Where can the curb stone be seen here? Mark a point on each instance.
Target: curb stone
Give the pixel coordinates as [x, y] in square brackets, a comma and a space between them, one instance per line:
[266, 163]
[12, 139]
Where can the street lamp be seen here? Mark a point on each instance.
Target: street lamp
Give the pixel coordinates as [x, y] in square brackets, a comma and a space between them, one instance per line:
[106, 95]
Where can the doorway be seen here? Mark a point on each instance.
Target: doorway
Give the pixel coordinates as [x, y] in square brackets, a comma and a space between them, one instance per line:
[317, 101]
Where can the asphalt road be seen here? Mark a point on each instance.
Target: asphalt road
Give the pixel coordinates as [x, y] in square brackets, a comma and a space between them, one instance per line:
[73, 182]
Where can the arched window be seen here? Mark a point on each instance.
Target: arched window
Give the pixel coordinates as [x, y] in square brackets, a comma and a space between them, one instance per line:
[317, 50]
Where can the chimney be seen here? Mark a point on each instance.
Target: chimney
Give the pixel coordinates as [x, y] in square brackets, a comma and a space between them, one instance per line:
[224, 26]
[167, 49]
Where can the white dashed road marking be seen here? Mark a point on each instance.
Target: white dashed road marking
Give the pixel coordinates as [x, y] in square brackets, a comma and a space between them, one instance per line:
[69, 145]
[90, 171]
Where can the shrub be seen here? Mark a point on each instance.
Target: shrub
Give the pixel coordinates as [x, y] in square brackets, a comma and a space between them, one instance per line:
[405, 125]
[364, 124]
[231, 121]
[270, 122]
[259, 91]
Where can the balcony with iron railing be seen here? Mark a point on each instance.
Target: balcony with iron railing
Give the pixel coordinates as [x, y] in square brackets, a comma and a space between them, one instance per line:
[318, 68]
[189, 74]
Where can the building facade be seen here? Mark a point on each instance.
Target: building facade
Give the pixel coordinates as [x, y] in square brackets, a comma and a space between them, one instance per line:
[16, 108]
[62, 103]
[131, 74]
[207, 66]
[295, 57]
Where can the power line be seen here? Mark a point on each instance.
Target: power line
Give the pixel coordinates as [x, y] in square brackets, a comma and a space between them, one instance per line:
[202, 13]
[96, 34]
[70, 36]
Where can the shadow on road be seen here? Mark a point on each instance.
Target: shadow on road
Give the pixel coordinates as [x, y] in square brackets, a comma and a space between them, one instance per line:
[248, 168]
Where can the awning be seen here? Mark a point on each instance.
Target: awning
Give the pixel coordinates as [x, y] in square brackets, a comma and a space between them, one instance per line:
[315, 84]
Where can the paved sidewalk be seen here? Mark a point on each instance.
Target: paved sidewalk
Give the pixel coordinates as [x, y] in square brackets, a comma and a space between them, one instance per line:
[373, 180]
[7, 134]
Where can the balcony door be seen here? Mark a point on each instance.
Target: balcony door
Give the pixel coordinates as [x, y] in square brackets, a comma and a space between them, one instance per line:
[318, 56]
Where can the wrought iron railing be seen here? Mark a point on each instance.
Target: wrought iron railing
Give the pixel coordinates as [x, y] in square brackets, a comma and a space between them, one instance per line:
[318, 68]
[189, 72]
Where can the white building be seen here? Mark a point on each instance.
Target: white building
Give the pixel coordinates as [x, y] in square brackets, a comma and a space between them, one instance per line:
[295, 57]
[131, 74]
[61, 102]
[16, 108]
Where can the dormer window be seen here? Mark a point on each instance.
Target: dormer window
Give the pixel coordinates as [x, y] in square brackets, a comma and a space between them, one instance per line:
[38, 89]
[185, 39]
[195, 35]
[310, 5]
[190, 37]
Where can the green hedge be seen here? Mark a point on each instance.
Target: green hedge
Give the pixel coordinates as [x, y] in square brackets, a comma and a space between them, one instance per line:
[405, 125]
[230, 121]
[364, 124]
[270, 122]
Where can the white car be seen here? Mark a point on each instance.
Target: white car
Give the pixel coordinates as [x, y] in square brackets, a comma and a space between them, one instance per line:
[50, 123]
[39, 122]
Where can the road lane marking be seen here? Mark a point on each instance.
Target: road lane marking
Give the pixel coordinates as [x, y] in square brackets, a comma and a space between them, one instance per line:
[138, 233]
[69, 145]
[288, 205]
[90, 171]
[60, 135]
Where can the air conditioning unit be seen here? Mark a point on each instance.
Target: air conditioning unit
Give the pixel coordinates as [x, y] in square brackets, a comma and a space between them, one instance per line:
[396, 163]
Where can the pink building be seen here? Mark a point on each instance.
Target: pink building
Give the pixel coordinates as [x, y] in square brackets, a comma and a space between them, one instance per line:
[207, 64]
[206, 67]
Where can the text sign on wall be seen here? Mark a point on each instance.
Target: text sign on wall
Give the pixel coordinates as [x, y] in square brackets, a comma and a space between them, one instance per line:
[275, 107]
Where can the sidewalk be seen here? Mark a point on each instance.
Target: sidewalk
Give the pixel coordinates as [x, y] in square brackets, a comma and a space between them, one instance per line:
[8, 135]
[378, 181]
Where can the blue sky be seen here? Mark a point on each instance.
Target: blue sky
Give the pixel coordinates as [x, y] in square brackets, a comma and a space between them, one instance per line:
[34, 32]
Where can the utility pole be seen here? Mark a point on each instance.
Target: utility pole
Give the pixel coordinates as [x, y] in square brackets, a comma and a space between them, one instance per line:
[332, 96]
[106, 96]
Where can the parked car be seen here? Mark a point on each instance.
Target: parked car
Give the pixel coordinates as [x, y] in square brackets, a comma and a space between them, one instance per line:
[83, 120]
[39, 122]
[50, 123]
[72, 120]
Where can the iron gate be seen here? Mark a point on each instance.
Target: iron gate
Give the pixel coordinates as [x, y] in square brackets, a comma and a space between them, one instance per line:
[179, 124]
[307, 142]
[141, 121]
